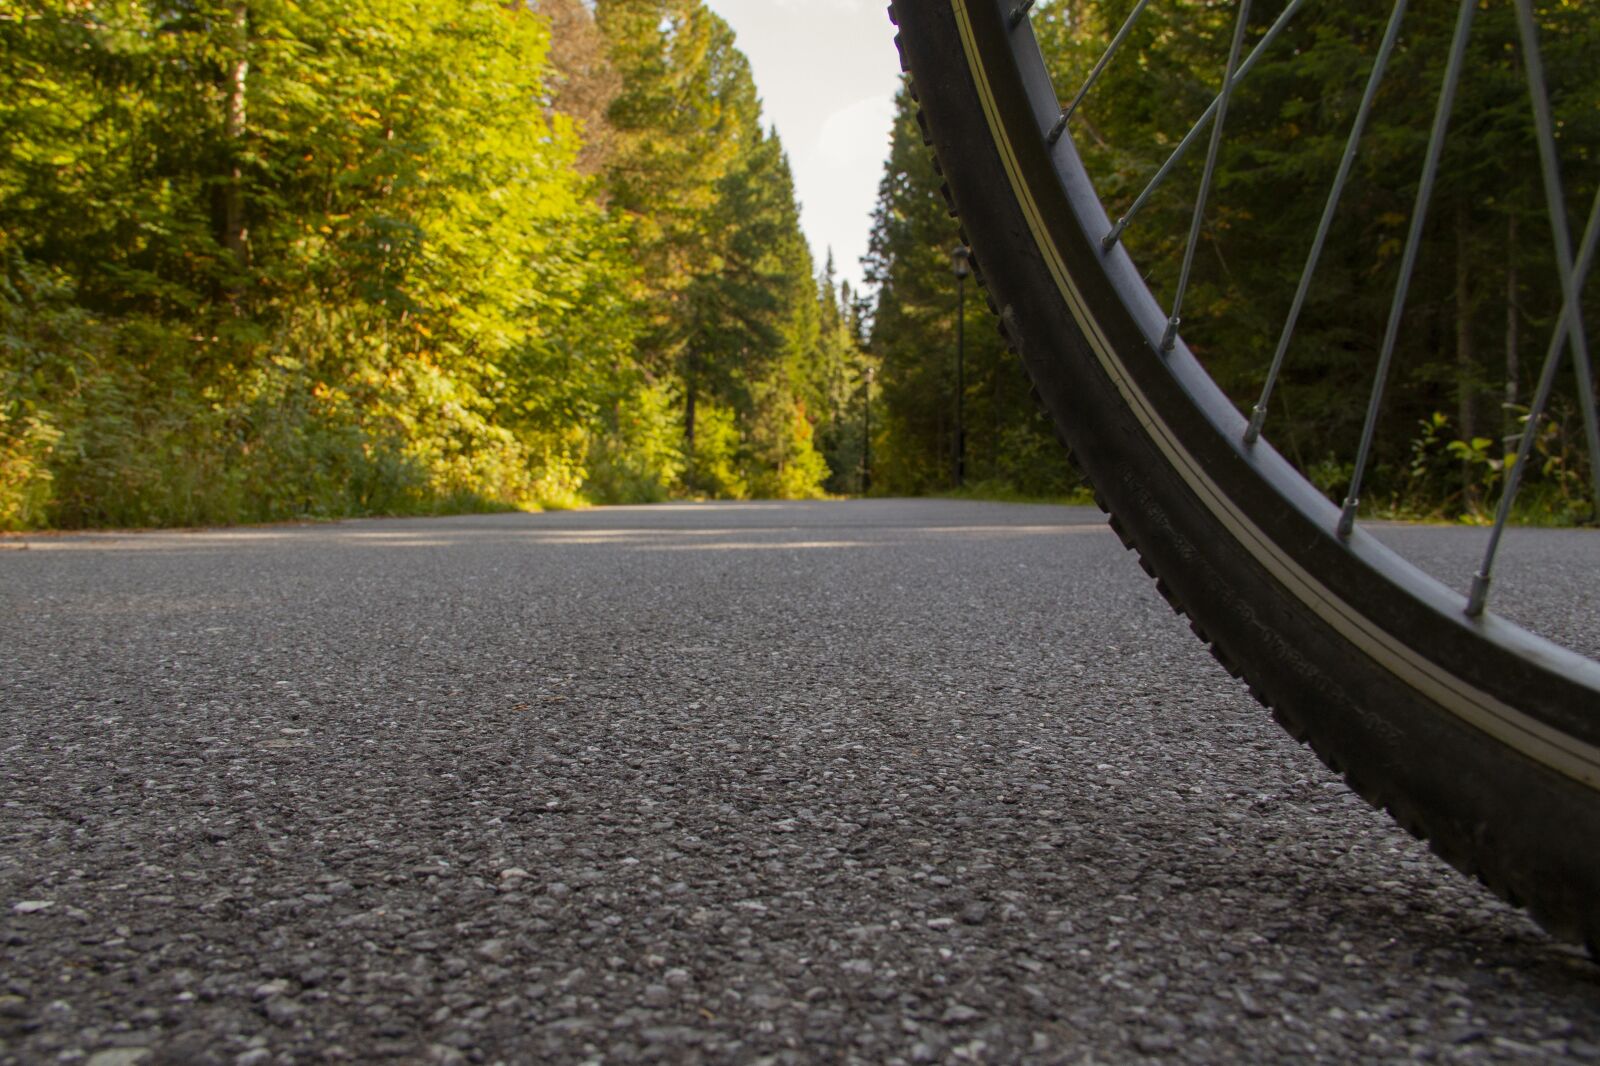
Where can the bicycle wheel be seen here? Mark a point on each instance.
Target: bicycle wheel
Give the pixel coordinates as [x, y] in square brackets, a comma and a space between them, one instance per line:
[1475, 734]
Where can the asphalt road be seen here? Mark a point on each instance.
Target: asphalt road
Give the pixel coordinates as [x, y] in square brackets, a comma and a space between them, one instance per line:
[872, 782]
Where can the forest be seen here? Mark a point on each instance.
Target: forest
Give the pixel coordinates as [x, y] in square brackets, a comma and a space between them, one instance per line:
[283, 259]
[1481, 309]
[274, 259]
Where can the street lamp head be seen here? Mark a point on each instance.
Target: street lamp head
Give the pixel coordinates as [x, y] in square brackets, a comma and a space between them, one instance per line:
[961, 261]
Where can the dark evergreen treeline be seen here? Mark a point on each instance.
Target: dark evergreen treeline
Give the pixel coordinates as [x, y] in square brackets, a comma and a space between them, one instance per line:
[1484, 299]
[1010, 446]
[266, 259]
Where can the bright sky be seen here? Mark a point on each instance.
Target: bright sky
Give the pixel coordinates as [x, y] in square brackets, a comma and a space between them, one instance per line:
[827, 71]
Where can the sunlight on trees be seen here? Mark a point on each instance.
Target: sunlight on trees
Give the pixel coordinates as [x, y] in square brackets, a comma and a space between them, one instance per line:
[266, 260]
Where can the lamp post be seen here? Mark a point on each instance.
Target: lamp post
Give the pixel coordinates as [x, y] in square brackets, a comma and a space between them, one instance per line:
[961, 266]
[866, 433]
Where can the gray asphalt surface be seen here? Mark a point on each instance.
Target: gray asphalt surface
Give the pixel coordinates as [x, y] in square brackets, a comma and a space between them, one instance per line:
[846, 782]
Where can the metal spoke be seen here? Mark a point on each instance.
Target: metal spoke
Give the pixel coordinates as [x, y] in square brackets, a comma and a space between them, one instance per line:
[1212, 151]
[1569, 323]
[1094, 75]
[1561, 229]
[1193, 135]
[1258, 416]
[1419, 217]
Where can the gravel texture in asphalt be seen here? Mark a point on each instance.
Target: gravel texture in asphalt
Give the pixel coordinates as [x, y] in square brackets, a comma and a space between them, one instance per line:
[843, 782]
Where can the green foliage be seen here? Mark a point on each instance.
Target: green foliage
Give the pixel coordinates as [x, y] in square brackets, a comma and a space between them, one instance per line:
[1485, 296]
[1557, 480]
[841, 385]
[268, 260]
[1455, 479]
[639, 457]
[1481, 308]
[39, 330]
[720, 457]
[303, 259]
[732, 309]
[914, 335]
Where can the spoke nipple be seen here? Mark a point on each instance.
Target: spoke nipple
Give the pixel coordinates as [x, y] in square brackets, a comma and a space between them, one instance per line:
[1258, 418]
[1109, 241]
[1170, 337]
[1478, 598]
[1347, 518]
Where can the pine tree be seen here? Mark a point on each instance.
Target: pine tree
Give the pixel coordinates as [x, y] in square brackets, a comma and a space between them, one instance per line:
[726, 275]
[1286, 129]
[841, 367]
[913, 334]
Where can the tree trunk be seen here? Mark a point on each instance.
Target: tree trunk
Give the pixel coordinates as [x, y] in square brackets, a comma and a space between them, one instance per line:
[235, 237]
[1513, 338]
[1466, 359]
[688, 409]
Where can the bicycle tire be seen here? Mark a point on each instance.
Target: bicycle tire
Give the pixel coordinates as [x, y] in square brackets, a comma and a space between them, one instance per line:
[1476, 735]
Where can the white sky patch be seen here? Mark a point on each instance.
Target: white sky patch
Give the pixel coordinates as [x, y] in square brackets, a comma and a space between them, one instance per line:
[856, 136]
[827, 71]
